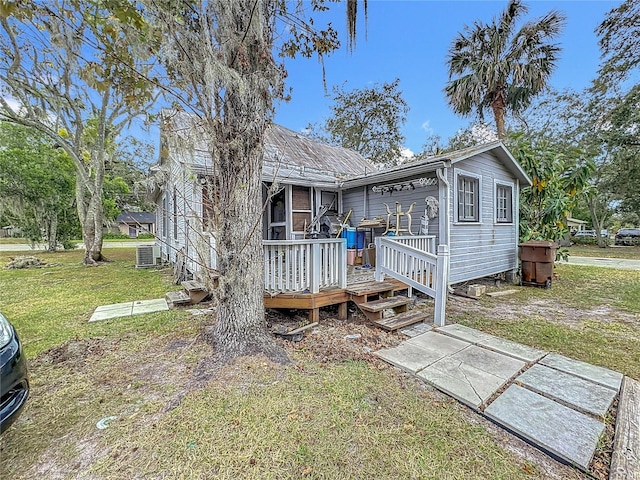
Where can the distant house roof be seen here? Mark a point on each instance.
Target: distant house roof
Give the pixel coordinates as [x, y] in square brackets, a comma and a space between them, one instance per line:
[136, 217]
[446, 159]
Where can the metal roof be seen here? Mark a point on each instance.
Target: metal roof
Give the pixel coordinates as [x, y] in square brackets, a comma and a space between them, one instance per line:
[288, 155]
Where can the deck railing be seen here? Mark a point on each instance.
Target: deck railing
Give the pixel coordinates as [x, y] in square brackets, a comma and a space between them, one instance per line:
[424, 243]
[305, 265]
[417, 267]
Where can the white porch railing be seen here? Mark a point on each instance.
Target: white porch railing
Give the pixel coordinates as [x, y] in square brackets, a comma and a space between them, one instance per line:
[424, 243]
[420, 268]
[305, 265]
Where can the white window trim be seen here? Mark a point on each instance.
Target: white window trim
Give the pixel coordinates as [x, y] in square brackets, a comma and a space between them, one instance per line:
[477, 176]
[503, 183]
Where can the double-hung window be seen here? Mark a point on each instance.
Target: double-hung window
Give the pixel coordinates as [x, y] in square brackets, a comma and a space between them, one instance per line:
[504, 203]
[468, 195]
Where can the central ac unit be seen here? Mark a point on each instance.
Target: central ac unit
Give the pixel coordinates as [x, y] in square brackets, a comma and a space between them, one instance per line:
[147, 256]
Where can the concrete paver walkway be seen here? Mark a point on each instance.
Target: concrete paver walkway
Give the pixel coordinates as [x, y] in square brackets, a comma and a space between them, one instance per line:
[127, 309]
[621, 263]
[553, 401]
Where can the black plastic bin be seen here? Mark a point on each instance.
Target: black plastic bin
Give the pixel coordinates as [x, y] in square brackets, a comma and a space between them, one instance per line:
[536, 258]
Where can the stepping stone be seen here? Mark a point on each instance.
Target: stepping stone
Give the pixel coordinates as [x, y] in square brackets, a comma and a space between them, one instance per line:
[472, 375]
[438, 343]
[415, 330]
[115, 310]
[500, 345]
[421, 351]
[149, 306]
[600, 375]
[555, 428]
[575, 392]
[410, 358]
[513, 349]
[461, 332]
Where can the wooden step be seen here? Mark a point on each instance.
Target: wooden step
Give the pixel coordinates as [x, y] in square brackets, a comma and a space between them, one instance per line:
[178, 297]
[196, 290]
[370, 288]
[385, 303]
[193, 286]
[401, 320]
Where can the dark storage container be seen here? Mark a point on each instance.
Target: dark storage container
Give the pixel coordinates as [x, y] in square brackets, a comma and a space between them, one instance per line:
[537, 257]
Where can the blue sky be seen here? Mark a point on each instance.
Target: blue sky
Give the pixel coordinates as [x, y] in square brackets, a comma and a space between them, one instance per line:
[409, 40]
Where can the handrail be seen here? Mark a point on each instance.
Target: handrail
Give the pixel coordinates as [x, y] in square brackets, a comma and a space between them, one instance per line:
[425, 243]
[304, 265]
[416, 267]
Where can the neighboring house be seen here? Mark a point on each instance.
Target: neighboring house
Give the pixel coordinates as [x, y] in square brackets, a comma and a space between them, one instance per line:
[575, 225]
[465, 202]
[135, 223]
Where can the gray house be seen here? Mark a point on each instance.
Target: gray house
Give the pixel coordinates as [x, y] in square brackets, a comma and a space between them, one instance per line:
[435, 222]
[477, 193]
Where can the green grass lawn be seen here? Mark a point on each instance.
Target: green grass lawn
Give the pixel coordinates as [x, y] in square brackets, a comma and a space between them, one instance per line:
[255, 419]
[51, 305]
[590, 314]
[632, 253]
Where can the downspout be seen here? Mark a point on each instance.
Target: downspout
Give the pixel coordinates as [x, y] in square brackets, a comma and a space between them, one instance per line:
[443, 193]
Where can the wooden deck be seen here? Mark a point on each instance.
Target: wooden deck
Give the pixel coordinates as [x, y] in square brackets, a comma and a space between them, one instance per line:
[358, 292]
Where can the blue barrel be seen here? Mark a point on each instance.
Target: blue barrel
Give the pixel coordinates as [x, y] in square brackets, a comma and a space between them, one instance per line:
[351, 237]
[360, 240]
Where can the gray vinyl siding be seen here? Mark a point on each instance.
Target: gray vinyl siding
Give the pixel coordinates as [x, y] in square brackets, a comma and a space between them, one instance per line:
[373, 206]
[484, 248]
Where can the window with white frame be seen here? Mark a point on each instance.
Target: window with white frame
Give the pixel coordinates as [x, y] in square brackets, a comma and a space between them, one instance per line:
[504, 203]
[468, 194]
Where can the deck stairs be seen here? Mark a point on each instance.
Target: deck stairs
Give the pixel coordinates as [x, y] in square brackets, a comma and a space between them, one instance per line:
[380, 304]
[192, 292]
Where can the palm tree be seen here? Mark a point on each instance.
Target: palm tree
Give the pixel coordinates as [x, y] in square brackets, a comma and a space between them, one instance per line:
[500, 67]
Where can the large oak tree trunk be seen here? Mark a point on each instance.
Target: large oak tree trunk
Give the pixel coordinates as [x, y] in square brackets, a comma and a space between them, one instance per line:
[244, 106]
[240, 327]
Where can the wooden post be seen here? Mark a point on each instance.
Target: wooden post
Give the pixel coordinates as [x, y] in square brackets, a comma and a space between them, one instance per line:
[316, 268]
[442, 285]
[380, 261]
[342, 264]
[342, 311]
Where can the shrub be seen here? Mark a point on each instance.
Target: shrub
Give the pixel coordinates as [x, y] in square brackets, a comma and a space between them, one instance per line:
[143, 236]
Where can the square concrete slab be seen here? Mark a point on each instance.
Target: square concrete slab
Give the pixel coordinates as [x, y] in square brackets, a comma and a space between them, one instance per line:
[415, 330]
[465, 383]
[149, 306]
[123, 310]
[461, 332]
[114, 306]
[493, 363]
[571, 435]
[513, 349]
[410, 358]
[438, 343]
[568, 389]
[471, 375]
[600, 375]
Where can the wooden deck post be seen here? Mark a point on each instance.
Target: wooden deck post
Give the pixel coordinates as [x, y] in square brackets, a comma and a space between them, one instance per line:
[380, 260]
[442, 285]
[316, 268]
[342, 265]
